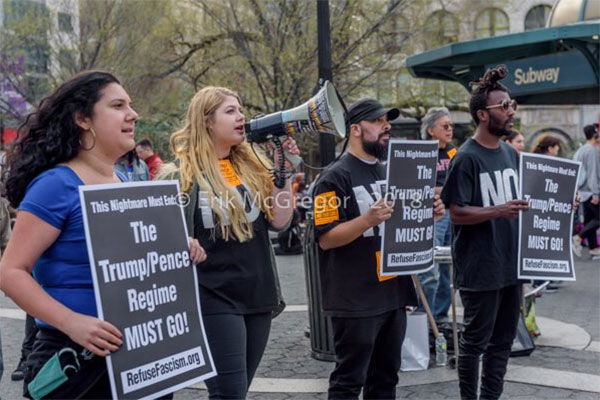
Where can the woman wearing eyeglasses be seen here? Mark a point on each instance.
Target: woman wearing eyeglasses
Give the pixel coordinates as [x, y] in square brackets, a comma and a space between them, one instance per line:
[437, 125]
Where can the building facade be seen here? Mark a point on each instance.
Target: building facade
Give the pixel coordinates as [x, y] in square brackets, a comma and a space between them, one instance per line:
[28, 66]
[467, 20]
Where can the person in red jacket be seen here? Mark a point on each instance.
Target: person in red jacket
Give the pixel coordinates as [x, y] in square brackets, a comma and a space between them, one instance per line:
[145, 151]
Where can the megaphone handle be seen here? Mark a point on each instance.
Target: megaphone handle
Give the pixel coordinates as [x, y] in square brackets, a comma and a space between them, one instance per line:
[293, 158]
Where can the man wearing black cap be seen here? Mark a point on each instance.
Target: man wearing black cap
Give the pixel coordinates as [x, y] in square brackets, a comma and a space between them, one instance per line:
[367, 310]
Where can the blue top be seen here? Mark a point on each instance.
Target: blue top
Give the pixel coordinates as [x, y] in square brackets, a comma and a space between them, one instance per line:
[63, 270]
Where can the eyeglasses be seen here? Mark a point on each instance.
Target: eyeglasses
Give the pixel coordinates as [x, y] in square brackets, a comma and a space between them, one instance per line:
[506, 103]
[448, 126]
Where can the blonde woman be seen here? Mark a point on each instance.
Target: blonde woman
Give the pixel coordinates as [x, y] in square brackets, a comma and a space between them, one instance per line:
[232, 204]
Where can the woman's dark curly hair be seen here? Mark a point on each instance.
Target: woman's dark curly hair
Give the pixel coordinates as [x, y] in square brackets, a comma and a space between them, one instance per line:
[482, 88]
[49, 135]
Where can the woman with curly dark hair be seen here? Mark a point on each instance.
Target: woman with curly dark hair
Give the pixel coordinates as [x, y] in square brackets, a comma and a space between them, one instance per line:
[73, 138]
[481, 192]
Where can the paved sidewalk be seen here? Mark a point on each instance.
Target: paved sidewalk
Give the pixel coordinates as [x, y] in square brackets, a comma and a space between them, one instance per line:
[566, 364]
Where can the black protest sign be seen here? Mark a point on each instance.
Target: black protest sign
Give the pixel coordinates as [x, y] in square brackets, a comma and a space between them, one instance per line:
[548, 184]
[146, 285]
[407, 239]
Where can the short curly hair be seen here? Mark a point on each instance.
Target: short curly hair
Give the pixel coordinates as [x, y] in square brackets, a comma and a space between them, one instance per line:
[482, 88]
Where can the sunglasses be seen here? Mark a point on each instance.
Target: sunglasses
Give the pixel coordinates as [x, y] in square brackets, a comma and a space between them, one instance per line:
[506, 103]
[448, 126]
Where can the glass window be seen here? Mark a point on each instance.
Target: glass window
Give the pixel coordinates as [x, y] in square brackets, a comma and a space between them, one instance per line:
[65, 58]
[64, 22]
[536, 17]
[442, 28]
[566, 12]
[17, 10]
[491, 22]
[37, 58]
[395, 33]
[592, 10]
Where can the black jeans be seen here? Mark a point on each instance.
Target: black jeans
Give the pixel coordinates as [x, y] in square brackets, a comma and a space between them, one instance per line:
[490, 319]
[591, 219]
[31, 331]
[367, 356]
[237, 343]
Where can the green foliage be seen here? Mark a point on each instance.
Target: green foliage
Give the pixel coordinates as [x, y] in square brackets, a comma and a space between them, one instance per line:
[165, 50]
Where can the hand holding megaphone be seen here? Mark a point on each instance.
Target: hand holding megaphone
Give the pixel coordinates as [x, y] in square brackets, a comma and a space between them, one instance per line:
[291, 153]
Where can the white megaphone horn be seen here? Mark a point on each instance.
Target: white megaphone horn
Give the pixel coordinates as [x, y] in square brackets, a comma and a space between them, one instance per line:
[322, 113]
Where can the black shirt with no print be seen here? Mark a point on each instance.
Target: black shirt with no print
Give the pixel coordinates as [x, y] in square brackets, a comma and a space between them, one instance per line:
[485, 254]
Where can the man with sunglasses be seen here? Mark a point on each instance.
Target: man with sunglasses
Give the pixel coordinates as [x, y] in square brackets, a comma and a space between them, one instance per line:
[481, 192]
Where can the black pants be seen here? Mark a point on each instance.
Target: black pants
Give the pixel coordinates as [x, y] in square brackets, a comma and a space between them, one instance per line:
[31, 330]
[237, 343]
[367, 356]
[490, 319]
[591, 219]
[90, 382]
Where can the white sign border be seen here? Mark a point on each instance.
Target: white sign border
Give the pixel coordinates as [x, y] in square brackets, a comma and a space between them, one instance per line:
[382, 226]
[90, 188]
[520, 195]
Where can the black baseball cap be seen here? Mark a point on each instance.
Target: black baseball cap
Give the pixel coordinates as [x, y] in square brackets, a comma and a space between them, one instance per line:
[369, 110]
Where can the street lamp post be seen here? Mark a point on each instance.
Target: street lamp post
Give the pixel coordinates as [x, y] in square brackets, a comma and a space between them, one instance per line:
[321, 331]
[326, 142]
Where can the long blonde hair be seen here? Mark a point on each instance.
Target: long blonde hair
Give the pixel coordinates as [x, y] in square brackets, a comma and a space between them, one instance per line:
[194, 148]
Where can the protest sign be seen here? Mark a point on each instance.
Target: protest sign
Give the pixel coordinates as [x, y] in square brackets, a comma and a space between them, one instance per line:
[407, 237]
[548, 184]
[146, 285]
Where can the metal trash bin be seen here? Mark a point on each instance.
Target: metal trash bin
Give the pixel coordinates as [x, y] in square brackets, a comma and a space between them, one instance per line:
[321, 332]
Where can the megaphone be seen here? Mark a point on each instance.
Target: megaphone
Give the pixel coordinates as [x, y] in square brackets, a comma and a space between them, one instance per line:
[323, 113]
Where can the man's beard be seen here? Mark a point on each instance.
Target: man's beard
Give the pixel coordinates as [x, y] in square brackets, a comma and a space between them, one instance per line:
[375, 148]
[498, 129]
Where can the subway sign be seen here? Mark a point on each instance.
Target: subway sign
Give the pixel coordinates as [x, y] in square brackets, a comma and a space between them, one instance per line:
[559, 71]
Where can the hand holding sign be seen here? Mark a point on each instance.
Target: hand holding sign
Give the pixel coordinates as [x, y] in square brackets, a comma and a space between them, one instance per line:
[548, 184]
[197, 253]
[147, 287]
[380, 211]
[438, 207]
[99, 337]
[407, 234]
[511, 208]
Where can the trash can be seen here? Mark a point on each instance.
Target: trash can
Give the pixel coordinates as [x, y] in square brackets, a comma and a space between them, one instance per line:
[321, 332]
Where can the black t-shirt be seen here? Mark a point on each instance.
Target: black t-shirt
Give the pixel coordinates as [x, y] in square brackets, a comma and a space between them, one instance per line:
[236, 277]
[443, 163]
[349, 274]
[485, 254]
